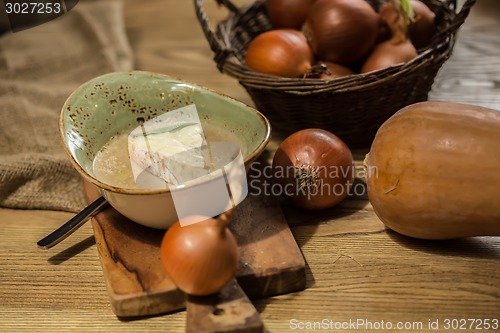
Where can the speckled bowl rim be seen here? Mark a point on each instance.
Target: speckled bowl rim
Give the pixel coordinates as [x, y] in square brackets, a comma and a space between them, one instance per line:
[249, 159]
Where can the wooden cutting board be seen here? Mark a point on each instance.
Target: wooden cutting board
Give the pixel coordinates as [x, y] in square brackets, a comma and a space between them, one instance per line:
[271, 262]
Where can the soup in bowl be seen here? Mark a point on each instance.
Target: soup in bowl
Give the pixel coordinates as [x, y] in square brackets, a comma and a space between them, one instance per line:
[157, 147]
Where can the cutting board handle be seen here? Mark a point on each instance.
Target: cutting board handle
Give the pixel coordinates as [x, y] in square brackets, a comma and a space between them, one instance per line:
[229, 310]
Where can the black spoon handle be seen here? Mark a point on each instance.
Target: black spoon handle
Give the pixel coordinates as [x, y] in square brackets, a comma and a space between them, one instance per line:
[76, 222]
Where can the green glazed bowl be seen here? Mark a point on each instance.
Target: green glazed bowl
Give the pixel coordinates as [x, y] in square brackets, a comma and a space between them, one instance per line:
[111, 104]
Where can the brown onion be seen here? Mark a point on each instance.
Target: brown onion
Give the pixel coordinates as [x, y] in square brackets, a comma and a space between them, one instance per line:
[200, 258]
[341, 31]
[281, 52]
[423, 27]
[395, 51]
[289, 14]
[420, 29]
[314, 168]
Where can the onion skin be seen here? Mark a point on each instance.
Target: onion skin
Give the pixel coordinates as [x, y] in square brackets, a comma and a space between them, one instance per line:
[288, 14]
[336, 71]
[200, 258]
[281, 52]
[433, 171]
[321, 155]
[423, 28]
[384, 31]
[341, 31]
[394, 19]
[389, 53]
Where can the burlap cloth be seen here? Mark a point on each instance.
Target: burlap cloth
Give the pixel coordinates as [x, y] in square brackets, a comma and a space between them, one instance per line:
[39, 68]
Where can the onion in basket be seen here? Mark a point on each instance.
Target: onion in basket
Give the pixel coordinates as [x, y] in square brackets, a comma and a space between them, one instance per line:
[281, 52]
[398, 49]
[341, 31]
[289, 14]
[418, 24]
[334, 71]
[423, 27]
[389, 53]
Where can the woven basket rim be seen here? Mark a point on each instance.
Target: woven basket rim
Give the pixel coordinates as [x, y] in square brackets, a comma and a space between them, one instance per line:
[357, 81]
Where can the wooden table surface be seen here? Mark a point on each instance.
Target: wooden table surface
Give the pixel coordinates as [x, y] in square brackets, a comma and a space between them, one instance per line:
[356, 269]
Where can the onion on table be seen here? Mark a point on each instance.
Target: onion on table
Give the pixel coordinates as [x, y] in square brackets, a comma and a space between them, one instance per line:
[432, 171]
[314, 168]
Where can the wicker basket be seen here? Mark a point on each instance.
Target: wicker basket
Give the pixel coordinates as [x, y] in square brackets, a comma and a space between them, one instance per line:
[352, 107]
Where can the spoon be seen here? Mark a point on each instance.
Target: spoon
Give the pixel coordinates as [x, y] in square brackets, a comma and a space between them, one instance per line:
[76, 222]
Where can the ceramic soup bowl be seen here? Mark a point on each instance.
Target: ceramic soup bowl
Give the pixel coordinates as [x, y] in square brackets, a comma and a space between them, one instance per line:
[120, 102]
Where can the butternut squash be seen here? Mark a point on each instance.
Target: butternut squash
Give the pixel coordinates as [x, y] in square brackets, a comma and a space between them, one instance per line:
[433, 171]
